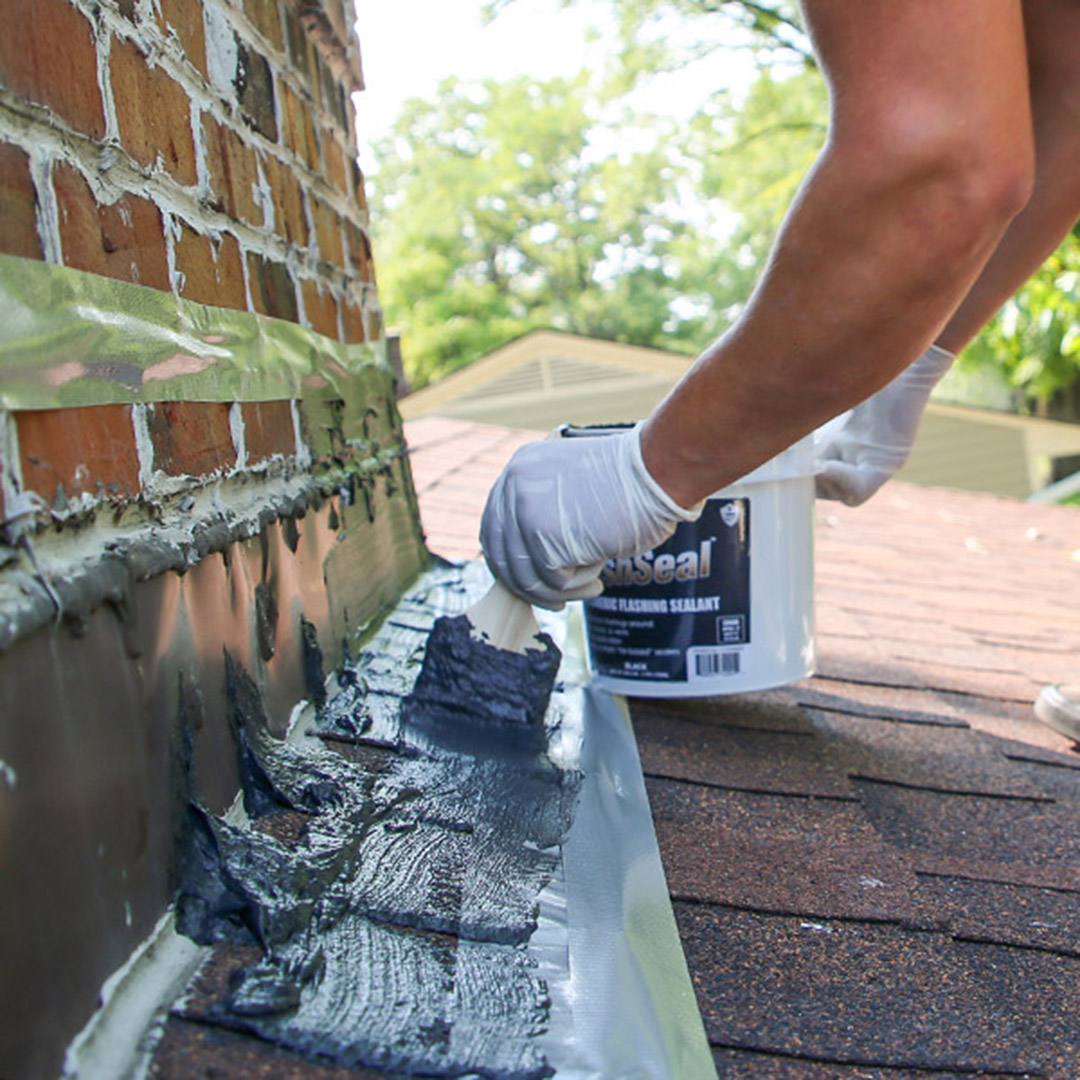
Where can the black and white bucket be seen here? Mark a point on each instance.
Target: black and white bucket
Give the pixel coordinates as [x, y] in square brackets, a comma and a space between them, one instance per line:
[726, 605]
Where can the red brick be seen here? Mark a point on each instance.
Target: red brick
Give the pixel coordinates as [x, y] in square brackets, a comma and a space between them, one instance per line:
[191, 438]
[268, 429]
[265, 16]
[154, 113]
[332, 96]
[185, 18]
[291, 221]
[47, 55]
[77, 449]
[327, 232]
[335, 14]
[296, 41]
[255, 91]
[18, 205]
[212, 269]
[299, 133]
[273, 291]
[334, 163]
[233, 171]
[311, 66]
[331, 99]
[360, 257]
[122, 240]
[358, 183]
[352, 318]
[350, 117]
[321, 308]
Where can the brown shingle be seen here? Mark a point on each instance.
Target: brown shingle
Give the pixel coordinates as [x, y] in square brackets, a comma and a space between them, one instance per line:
[695, 748]
[935, 758]
[880, 996]
[1010, 840]
[816, 857]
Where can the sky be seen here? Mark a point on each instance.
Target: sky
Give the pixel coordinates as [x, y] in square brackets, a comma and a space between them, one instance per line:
[408, 46]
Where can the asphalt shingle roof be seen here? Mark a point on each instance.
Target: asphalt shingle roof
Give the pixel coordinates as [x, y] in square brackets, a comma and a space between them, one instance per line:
[875, 872]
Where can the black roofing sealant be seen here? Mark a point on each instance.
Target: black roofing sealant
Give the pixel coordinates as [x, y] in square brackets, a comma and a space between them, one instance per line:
[393, 932]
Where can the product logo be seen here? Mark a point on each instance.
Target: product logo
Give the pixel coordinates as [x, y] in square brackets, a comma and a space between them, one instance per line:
[729, 514]
[648, 568]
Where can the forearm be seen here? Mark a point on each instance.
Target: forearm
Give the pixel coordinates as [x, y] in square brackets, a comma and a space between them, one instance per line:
[849, 299]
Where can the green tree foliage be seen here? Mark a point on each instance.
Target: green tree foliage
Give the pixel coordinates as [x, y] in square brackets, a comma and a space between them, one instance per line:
[753, 154]
[1034, 342]
[501, 207]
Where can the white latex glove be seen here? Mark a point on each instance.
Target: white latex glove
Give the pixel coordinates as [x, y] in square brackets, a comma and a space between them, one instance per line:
[563, 507]
[876, 437]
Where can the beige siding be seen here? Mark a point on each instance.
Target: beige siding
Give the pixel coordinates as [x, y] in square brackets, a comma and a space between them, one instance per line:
[971, 454]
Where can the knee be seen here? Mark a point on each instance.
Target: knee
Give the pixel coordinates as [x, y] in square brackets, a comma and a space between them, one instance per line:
[956, 184]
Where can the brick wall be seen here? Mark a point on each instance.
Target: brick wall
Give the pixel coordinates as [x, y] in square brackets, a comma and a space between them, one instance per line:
[202, 147]
[263, 509]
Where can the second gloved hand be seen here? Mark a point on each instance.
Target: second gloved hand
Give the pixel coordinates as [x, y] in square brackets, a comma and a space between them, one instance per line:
[876, 437]
[563, 507]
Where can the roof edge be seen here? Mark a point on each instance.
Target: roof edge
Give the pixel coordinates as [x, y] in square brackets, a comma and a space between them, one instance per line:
[538, 343]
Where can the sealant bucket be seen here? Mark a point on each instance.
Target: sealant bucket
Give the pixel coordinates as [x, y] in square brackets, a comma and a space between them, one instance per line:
[726, 605]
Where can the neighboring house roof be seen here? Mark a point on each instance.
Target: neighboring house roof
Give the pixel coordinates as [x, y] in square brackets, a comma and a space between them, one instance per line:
[547, 378]
[875, 871]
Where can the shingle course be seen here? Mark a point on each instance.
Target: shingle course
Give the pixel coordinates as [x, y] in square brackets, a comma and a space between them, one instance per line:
[879, 995]
[875, 872]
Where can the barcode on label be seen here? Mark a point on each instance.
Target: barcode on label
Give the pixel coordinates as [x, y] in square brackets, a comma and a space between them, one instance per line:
[716, 663]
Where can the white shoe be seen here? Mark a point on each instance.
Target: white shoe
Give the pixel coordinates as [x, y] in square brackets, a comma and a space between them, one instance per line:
[1059, 706]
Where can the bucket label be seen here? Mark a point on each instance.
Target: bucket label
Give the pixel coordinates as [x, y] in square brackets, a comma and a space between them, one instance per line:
[681, 612]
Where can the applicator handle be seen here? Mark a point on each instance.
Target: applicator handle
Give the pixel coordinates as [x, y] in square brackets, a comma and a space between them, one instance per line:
[504, 620]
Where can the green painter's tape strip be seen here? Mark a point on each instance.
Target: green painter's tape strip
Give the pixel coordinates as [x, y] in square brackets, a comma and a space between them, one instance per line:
[73, 338]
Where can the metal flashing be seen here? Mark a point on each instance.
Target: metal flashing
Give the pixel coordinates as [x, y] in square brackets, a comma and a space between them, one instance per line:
[510, 879]
[74, 338]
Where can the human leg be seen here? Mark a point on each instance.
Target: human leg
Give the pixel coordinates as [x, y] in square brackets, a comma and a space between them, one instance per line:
[928, 159]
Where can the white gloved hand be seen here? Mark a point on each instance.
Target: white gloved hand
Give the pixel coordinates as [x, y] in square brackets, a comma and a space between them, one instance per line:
[876, 437]
[563, 507]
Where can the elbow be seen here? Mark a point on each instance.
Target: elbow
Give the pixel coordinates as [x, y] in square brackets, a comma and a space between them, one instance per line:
[953, 187]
